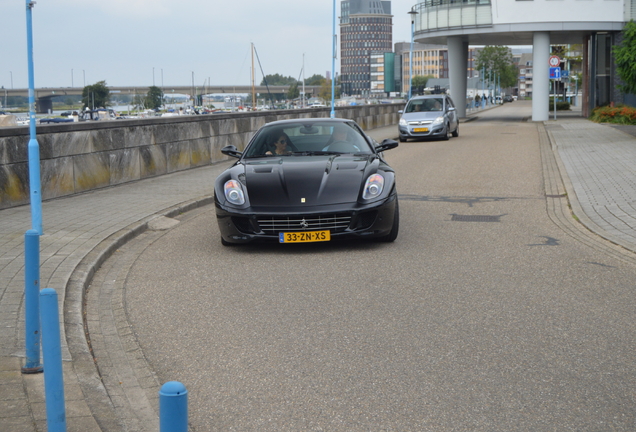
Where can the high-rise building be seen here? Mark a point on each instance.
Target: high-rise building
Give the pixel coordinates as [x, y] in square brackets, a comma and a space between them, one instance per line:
[366, 29]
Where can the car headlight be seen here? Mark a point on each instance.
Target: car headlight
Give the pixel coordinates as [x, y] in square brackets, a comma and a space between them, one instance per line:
[233, 192]
[438, 120]
[402, 122]
[373, 187]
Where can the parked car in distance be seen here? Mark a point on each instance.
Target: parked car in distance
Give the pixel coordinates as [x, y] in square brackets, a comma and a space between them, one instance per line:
[429, 116]
[508, 98]
[308, 180]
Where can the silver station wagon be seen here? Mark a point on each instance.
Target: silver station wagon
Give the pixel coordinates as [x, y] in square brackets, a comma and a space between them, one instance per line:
[429, 116]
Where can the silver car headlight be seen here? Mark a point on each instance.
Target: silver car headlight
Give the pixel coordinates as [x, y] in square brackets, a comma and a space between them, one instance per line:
[438, 120]
[373, 187]
[233, 192]
[402, 122]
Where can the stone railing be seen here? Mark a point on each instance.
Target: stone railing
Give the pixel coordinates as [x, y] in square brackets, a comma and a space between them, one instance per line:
[78, 157]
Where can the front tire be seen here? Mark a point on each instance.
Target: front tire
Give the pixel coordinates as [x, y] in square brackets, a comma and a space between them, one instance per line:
[390, 237]
[447, 133]
[456, 131]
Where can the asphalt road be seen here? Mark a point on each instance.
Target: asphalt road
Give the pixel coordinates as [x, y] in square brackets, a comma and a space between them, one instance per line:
[482, 316]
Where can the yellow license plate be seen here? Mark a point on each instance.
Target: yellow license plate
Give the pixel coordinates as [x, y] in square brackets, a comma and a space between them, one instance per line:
[304, 236]
[420, 129]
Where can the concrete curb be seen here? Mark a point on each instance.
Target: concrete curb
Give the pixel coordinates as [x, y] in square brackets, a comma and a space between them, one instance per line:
[575, 205]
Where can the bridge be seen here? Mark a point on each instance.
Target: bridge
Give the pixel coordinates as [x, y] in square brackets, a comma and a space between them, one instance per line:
[44, 96]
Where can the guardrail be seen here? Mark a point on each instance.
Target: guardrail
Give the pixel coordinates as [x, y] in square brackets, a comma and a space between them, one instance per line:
[436, 15]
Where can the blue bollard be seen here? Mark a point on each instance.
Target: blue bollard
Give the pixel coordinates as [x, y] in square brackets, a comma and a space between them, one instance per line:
[173, 407]
[31, 302]
[53, 375]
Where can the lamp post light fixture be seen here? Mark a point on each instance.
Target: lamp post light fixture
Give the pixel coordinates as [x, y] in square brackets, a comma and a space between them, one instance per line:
[412, 12]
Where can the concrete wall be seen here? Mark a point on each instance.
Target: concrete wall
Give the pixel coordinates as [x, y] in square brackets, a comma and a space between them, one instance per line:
[78, 157]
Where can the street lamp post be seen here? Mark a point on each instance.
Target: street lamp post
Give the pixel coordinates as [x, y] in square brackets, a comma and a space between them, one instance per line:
[32, 236]
[412, 12]
[333, 64]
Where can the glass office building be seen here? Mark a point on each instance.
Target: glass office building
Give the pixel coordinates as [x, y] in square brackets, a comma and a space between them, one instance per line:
[366, 28]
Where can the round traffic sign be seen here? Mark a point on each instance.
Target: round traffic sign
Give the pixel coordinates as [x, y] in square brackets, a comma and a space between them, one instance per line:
[554, 61]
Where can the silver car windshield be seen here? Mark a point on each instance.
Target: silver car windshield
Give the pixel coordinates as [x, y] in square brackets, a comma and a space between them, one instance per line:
[425, 105]
[308, 138]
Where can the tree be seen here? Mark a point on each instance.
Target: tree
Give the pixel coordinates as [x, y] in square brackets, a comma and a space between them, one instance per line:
[277, 79]
[625, 58]
[325, 90]
[420, 80]
[315, 80]
[139, 102]
[293, 92]
[96, 95]
[498, 61]
[154, 98]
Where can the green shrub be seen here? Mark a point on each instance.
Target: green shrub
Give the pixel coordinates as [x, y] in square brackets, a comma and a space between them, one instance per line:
[621, 114]
[560, 106]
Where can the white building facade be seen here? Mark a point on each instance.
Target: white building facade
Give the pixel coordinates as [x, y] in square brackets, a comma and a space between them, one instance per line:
[540, 23]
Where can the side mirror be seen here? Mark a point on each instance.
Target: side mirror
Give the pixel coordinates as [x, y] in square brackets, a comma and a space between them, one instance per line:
[231, 151]
[386, 144]
[451, 108]
[400, 111]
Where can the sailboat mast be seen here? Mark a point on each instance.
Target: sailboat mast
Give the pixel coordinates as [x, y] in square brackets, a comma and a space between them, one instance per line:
[253, 90]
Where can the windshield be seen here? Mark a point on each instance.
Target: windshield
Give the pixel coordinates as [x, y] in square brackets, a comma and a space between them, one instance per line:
[422, 105]
[308, 137]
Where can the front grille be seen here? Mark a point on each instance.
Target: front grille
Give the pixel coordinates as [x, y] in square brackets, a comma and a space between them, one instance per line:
[420, 123]
[334, 222]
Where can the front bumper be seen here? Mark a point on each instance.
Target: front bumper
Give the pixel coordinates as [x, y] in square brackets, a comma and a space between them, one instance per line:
[342, 221]
[432, 131]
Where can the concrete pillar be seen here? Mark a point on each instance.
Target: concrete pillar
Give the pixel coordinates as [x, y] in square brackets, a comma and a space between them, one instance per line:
[43, 105]
[540, 76]
[458, 71]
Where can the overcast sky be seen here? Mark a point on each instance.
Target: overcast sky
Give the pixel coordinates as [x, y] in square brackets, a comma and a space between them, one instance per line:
[121, 41]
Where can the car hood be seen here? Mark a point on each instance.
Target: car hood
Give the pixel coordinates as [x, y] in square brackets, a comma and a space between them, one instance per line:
[307, 180]
[422, 116]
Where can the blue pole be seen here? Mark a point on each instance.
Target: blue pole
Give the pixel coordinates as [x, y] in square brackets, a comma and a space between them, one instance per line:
[412, 13]
[173, 407]
[31, 301]
[489, 82]
[53, 377]
[333, 64]
[34, 148]
[483, 93]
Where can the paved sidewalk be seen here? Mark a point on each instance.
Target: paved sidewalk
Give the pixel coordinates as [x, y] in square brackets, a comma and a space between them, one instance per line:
[598, 169]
